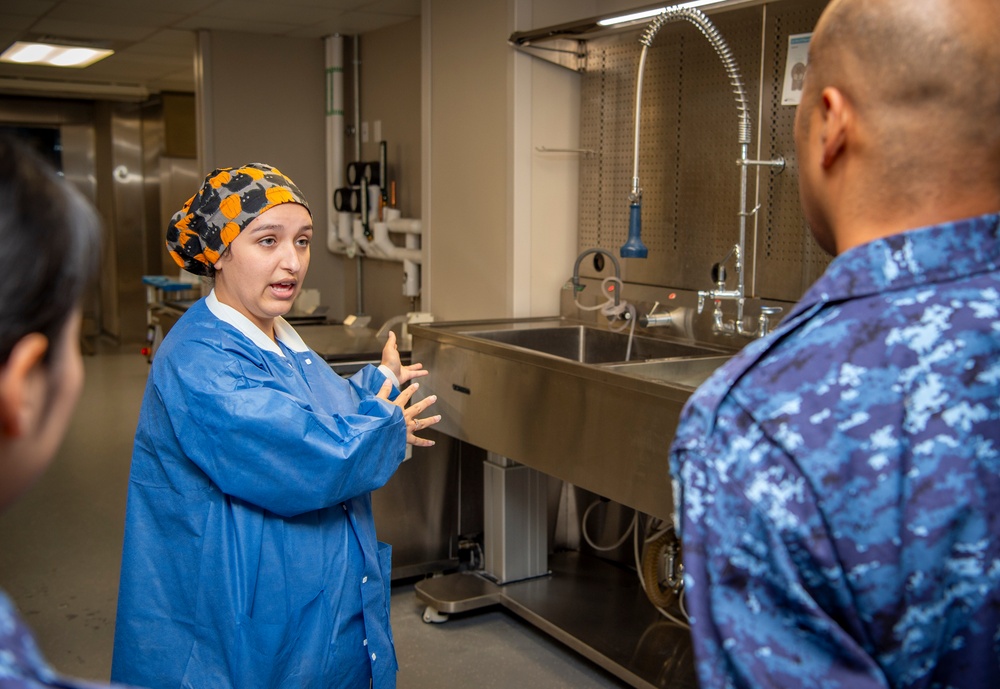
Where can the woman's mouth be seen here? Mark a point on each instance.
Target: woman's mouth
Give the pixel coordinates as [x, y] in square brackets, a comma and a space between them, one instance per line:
[283, 290]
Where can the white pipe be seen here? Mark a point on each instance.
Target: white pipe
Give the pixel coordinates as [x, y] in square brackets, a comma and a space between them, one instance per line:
[356, 247]
[357, 98]
[411, 269]
[382, 247]
[344, 229]
[407, 225]
[334, 46]
[374, 196]
[358, 234]
[411, 279]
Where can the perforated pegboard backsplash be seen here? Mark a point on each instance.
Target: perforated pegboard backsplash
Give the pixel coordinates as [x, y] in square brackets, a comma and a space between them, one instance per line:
[688, 153]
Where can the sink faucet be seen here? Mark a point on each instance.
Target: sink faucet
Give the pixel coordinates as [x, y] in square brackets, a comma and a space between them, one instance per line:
[709, 31]
[764, 320]
[618, 272]
[720, 293]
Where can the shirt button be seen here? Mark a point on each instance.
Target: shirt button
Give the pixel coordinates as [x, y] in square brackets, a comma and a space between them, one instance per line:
[373, 656]
[365, 642]
[364, 580]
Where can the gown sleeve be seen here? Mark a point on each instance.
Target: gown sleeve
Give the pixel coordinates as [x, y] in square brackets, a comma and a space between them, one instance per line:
[257, 439]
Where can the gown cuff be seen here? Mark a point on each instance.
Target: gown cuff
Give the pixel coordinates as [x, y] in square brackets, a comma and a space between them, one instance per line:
[387, 372]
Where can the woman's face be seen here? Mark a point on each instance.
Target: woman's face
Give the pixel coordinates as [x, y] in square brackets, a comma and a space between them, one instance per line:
[51, 390]
[261, 273]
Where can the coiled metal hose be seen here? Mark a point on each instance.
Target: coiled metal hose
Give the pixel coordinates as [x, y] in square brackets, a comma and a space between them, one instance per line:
[708, 29]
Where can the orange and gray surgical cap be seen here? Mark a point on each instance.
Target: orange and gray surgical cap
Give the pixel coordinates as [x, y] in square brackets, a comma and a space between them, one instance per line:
[230, 199]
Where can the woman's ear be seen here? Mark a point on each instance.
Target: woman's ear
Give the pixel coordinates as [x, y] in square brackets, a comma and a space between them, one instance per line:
[22, 385]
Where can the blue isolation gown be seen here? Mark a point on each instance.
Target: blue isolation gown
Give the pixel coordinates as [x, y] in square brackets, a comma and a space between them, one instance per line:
[250, 558]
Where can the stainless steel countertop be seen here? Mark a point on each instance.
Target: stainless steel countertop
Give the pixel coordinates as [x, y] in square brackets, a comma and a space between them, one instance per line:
[341, 343]
[347, 350]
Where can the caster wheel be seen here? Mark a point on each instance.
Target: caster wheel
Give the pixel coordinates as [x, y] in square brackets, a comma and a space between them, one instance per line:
[432, 616]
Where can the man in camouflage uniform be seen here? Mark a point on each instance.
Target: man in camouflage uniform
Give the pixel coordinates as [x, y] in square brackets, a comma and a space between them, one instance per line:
[838, 483]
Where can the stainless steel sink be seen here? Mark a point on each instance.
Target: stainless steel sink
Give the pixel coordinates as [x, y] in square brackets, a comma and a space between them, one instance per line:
[688, 373]
[590, 345]
[557, 395]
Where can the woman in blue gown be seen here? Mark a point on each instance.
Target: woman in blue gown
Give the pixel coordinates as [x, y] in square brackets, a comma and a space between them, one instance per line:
[250, 557]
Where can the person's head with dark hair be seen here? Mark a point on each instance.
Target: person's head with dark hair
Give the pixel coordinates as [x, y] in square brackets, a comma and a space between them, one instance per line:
[49, 252]
[899, 124]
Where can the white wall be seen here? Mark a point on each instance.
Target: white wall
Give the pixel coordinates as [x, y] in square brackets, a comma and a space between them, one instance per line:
[501, 216]
[270, 111]
[554, 187]
[465, 205]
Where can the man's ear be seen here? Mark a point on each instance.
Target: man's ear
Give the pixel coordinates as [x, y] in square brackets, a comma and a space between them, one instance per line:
[22, 384]
[837, 120]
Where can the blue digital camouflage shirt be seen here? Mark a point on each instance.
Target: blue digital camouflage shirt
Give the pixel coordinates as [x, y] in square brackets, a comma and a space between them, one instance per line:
[21, 663]
[838, 483]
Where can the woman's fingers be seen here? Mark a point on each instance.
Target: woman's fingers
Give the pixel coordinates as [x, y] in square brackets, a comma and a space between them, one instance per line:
[385, 390]
[418, 408]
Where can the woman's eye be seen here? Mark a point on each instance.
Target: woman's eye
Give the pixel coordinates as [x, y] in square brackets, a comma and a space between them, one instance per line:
[267, 241]
[303, 241]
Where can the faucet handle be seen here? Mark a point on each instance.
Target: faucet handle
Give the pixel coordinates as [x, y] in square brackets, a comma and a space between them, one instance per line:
[718, 273]
[764, 321]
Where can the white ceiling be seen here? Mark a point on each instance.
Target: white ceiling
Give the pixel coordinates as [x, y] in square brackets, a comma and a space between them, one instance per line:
[154, 39]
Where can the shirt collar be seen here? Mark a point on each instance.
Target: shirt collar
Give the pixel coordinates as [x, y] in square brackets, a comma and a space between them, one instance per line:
[282, 330]
[926, 255]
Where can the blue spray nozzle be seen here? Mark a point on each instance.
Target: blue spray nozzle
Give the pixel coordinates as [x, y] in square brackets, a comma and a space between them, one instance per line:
[633, 247]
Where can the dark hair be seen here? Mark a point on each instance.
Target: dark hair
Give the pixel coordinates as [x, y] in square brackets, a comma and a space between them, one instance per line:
[49, 247]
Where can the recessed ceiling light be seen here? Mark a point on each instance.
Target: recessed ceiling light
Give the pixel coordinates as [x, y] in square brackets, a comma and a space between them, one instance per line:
[53, 55]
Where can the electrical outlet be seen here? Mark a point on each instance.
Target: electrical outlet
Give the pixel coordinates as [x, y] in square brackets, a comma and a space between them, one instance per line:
[377, 130]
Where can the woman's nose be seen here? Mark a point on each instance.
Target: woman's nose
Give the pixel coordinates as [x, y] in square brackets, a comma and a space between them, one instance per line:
[290, 258]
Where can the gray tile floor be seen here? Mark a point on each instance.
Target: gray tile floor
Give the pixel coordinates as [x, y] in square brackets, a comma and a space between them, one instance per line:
[60, 553]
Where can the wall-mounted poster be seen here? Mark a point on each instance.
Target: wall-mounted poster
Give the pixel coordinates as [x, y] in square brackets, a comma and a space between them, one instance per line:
[795, 68]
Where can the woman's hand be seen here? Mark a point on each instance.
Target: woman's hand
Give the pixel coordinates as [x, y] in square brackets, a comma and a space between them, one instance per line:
[390, 359]
[411, 413]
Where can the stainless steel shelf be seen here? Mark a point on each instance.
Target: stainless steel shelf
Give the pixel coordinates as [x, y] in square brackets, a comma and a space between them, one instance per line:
[596, 608]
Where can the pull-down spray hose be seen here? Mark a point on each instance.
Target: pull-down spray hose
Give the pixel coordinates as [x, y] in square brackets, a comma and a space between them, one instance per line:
[634, 248]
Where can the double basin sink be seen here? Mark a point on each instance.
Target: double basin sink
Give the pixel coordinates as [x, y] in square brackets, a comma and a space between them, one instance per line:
[591, 406]
[660, 360]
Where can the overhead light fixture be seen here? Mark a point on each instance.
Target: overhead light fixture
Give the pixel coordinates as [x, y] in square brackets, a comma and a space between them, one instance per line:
[593, 27]
[53, 55]
[646, 14]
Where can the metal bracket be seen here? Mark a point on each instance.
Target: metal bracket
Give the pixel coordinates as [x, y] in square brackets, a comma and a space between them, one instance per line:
[568, 53]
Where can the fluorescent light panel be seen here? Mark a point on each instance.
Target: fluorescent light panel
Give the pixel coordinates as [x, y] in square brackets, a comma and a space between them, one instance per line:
[24, 53]
[647, 14]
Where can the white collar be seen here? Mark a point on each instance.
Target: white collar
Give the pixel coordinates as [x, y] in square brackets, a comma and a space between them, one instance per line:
[282, 330]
